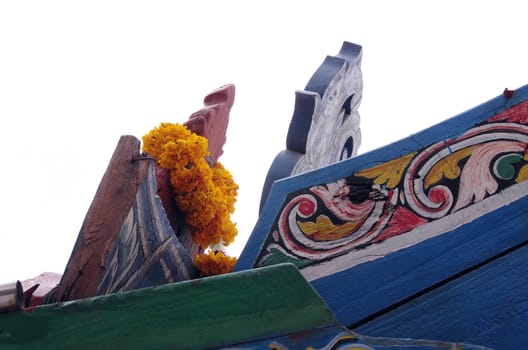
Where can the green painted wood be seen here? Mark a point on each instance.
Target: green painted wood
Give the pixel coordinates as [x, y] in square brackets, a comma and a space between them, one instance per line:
[199, 314]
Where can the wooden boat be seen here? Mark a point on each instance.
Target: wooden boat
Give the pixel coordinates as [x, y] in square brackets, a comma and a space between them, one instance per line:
[420, 244]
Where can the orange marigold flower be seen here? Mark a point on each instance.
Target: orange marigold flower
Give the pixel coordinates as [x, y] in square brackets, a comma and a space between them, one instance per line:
[205, 194]
[214, 263]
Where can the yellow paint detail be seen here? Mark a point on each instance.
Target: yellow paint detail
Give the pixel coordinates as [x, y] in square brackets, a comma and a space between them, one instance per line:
[389, 173]
[348, 337]
[523, 174]
[323, 229]
[447, 167]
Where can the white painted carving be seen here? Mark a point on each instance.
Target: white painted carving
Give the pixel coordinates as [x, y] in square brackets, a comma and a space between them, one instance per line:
[335, 132]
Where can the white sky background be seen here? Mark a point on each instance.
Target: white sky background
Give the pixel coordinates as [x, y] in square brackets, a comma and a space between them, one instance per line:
[75, 76]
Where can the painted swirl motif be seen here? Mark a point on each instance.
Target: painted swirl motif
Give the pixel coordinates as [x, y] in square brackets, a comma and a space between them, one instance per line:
[371, 205]
[449, 176]
[321, 238]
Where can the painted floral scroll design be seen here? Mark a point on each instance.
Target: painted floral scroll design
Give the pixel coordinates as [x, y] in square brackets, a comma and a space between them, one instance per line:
[368, 207]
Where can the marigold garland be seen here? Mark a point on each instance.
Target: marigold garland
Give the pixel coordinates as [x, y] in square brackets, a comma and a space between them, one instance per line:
[205, 194]
[214, 263]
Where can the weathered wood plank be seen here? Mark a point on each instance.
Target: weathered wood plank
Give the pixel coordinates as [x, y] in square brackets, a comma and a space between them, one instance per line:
[103, 221]
[147, 252]
[486, 306]
[367, 291]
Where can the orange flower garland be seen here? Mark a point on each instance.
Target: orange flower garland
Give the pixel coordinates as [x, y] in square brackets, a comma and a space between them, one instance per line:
[215, 262]
[205, 194]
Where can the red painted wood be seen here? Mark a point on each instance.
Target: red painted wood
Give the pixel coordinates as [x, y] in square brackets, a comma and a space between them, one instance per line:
[36, 288]
[211, 122]
[166, 194]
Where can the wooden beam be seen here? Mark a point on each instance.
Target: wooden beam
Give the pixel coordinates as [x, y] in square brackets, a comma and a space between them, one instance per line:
[103, 221]
[147, 252]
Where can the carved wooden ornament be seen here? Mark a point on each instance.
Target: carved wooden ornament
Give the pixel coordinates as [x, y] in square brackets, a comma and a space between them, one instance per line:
[325, 125]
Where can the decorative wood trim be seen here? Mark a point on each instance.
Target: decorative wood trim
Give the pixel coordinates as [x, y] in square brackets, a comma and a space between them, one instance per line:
[147, 252]
[401, 168]
[374, 232]
[325, 125]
